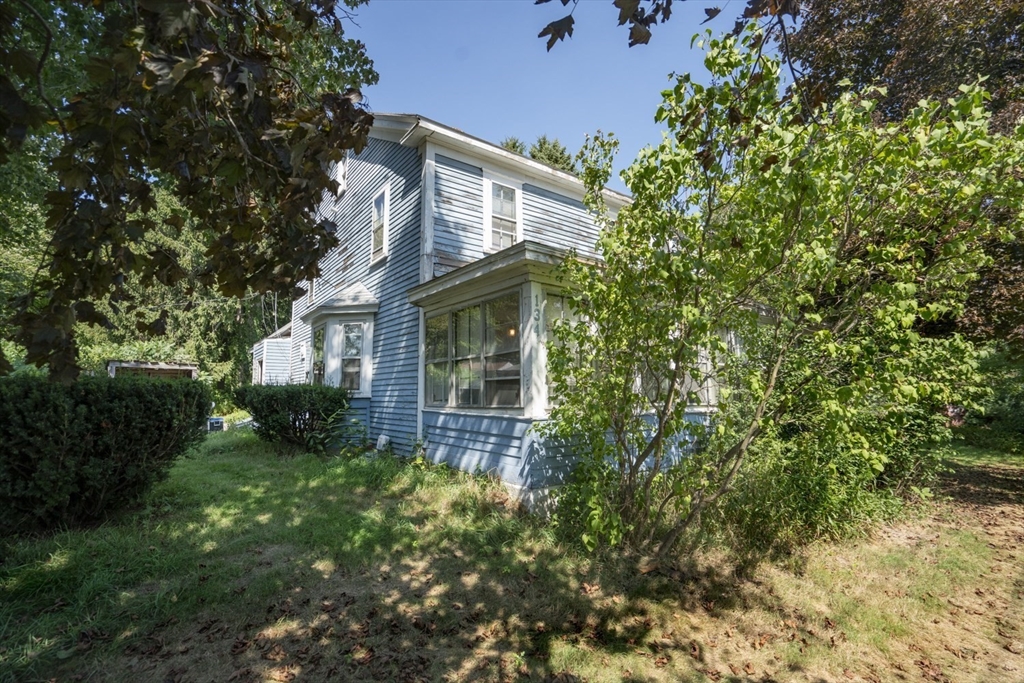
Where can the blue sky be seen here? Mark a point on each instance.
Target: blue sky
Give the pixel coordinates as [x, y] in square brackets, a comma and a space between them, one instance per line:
[478, 65]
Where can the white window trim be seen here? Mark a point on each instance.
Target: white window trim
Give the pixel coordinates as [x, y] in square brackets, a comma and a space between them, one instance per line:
[386, 191]
[341, 175]
[489, 179]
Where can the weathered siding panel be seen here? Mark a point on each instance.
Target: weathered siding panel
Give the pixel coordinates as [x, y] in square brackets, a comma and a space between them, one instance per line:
[558, 221]
[458, 214]
[550, 463]
[357, 420]
[485, 443]
[392, 408]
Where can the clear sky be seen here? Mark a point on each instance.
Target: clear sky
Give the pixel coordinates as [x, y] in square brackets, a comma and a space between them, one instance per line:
[478, 65]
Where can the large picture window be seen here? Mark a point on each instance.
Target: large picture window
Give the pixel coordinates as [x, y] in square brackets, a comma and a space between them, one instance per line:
[473, 356]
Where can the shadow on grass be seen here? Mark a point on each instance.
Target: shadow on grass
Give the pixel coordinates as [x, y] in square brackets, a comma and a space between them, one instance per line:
[247, 567]
[985, 485]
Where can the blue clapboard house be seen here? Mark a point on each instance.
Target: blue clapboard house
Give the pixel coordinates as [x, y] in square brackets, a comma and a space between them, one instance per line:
[433, 310]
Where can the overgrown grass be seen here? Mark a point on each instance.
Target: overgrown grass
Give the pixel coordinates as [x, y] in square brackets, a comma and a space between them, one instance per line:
[971, 455]
[246, 565]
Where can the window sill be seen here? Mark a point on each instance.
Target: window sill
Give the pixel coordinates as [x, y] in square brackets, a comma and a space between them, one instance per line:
[379, 259]
[472, 410]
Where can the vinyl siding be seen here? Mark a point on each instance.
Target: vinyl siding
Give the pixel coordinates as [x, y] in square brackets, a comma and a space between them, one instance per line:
[550, 463]
[458, 214]
[548, 217]
[392, 408]
[478, 443]
[275, 354]
[558, 221]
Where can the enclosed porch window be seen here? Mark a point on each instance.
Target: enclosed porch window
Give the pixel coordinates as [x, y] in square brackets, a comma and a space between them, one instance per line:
[473, 356]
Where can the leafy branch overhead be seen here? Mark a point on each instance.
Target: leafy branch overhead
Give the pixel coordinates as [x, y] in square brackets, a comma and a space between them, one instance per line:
[643, 15]
[198, 97]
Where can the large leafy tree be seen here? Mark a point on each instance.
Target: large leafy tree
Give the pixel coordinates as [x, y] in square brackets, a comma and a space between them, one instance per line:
[776, 262]
[917, 50]
[927, 49]
[202, 98]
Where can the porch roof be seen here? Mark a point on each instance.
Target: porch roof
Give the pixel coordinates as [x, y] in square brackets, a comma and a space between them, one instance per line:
[518, 263]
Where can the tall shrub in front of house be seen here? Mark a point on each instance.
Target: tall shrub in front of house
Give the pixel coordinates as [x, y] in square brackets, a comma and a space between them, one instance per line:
[304, 415]
[776, 264]
[71, 454]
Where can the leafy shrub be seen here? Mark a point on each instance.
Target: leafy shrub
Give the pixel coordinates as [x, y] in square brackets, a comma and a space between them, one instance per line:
[70, 454]
[1001, 425]
[792, 492]
[304, 415]
[797, 487]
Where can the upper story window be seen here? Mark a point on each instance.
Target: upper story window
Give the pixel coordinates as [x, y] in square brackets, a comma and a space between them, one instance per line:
[503, 208]
[310, 291]
[473, 356]
[503, 216]
[341, 175]
[380, 216]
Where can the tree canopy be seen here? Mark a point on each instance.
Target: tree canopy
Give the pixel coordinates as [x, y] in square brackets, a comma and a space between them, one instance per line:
[643, 15]
[927, 49]
[203, 99]
[545, 150]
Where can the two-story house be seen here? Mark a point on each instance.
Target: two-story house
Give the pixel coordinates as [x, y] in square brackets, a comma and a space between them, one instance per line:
[434, 308]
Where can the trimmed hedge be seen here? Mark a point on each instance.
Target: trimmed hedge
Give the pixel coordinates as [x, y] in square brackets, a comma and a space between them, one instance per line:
[305, 415]
[69, 454]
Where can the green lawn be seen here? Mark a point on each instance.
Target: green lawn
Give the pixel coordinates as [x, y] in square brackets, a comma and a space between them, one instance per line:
[246, 565]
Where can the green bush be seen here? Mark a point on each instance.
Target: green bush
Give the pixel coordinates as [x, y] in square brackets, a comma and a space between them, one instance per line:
[71, 454]
[792, 492]
[797, 487]
[1001, 425]
[304, 415]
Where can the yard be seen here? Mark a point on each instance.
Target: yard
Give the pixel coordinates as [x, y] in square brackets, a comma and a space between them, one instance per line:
[248, 566]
